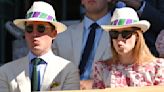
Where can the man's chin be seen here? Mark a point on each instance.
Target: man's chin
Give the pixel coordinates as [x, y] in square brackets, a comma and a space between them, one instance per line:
[36, 51]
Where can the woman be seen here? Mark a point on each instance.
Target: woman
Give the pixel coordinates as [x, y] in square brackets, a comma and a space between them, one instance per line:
[132, 63]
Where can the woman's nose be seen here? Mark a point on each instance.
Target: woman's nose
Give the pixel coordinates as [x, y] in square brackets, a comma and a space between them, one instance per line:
[119, 37]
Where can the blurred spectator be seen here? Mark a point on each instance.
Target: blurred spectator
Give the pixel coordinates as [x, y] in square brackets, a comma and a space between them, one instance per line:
[160, 44]
[9, 9]
[72, 44]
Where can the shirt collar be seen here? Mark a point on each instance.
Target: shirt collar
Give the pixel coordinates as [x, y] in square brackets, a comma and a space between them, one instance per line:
[102, 21]
[45, 57]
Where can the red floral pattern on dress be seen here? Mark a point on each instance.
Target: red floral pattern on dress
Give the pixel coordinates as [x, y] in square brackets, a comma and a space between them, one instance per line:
[119, 75]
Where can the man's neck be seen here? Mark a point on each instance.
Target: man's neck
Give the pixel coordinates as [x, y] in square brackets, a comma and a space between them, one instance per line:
[96, 15]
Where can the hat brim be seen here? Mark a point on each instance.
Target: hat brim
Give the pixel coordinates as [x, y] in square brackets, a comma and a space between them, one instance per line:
[144, 25]
[60, 27]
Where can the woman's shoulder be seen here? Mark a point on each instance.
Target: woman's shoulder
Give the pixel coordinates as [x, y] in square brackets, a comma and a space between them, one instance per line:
[103, 64]
[159, 61]
[100, 63]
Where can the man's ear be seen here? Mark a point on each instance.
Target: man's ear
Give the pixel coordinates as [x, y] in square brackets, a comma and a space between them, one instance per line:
[54, 33]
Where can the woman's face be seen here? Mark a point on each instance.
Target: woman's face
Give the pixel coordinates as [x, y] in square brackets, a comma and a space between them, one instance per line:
[125, 42]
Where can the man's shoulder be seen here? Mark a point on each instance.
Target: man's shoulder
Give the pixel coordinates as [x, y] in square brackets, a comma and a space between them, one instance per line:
[70, 30]
[13, 64]
[74, 27]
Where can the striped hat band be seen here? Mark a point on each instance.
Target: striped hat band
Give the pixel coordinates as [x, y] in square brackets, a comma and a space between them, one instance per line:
[123, 21]
[40, 15]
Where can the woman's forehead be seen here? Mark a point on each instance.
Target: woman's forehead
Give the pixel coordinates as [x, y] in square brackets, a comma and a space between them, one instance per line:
[126, 28]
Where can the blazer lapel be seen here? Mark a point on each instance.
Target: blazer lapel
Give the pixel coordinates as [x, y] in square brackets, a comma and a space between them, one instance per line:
[77, 36]
[103, 44]
[23, 75]
[52, 70]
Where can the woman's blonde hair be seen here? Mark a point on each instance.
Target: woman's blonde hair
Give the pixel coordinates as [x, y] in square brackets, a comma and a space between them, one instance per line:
[141, 52]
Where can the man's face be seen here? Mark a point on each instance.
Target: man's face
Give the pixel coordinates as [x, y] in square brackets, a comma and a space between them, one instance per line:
[39, 36]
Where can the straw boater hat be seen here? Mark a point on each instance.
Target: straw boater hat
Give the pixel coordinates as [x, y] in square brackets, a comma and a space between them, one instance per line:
[41, 11]
[126, 17]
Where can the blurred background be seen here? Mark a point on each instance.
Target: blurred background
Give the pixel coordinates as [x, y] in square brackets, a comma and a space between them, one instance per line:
[67, 11]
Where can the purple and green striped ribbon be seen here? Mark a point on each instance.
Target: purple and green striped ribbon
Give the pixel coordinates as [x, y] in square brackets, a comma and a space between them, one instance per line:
[40, 15]
[123, 21]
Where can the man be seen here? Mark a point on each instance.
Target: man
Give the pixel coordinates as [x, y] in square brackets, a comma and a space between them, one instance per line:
[153, 11]
[40, 70]
[72, 44]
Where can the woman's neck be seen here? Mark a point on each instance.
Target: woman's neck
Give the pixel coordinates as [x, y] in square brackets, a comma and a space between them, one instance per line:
[126, 58]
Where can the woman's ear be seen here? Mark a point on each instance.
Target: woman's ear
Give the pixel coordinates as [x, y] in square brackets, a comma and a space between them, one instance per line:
[137, 37]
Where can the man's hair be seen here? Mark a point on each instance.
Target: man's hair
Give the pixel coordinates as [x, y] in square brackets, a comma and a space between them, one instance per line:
[53, 27]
